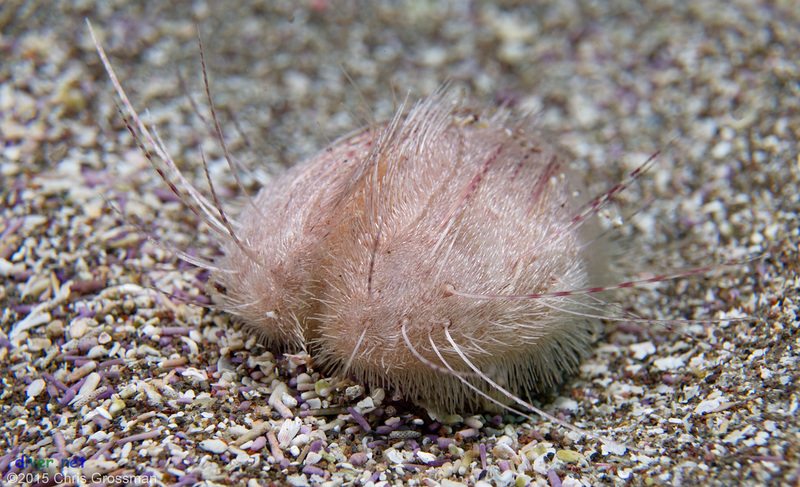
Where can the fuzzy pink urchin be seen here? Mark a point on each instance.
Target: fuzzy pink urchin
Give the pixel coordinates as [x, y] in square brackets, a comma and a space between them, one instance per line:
[377, 254]
[440, 254]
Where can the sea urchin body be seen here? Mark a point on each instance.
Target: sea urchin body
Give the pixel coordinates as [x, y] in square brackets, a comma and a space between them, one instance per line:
[449, 203]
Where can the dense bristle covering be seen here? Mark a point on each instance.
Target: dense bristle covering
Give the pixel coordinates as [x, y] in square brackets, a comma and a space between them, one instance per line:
[450, 202]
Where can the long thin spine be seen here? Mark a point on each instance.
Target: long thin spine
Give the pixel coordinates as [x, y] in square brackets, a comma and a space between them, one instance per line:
[157, 145]
[218, 130]
[598, 289]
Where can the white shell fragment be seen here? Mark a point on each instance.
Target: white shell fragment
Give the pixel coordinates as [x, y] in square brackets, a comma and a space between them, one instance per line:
[288, 431]
[669, 363]
[708, 406]
[35, 388]
[214, 446]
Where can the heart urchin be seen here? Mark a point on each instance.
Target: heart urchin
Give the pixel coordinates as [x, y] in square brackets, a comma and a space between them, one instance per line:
[385, 255]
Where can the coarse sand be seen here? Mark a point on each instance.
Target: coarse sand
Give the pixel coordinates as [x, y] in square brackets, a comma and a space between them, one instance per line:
[129, 385]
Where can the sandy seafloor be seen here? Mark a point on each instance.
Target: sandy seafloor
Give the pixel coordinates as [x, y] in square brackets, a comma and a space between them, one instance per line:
[177, 395]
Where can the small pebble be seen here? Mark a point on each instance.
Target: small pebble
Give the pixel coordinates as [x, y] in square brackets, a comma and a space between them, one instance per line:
[35, 388]
[214, 446]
